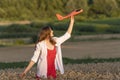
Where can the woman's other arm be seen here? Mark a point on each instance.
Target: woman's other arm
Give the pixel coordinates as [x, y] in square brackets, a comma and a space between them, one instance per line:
[33, 60]
[31, 63]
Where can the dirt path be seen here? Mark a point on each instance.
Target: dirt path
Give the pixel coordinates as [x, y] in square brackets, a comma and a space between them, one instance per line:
[95, 49]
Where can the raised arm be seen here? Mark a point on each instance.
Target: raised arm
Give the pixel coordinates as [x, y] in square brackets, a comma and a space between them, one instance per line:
[71, 25]
[67, 35]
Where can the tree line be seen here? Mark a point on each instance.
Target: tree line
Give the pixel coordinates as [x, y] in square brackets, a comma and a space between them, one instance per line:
[46, 9]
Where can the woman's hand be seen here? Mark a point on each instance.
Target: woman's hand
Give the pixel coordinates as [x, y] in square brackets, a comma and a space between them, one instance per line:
[22, 75]
[31, 63]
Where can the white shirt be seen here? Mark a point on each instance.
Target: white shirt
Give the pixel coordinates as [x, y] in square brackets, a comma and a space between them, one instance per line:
[40, 56]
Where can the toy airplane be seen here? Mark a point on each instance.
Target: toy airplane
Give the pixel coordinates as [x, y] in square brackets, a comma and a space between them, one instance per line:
[73, 13]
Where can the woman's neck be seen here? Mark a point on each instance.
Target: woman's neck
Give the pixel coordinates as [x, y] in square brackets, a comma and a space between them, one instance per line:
[49, 45]
[47, 40]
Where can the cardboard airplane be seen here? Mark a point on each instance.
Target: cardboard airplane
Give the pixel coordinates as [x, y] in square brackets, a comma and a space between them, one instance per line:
[73, 13]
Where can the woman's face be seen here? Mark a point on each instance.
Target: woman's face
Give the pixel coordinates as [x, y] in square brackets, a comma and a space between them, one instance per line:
[51, 34]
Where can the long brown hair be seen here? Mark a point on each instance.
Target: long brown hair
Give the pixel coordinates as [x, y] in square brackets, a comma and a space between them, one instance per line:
[44, 33]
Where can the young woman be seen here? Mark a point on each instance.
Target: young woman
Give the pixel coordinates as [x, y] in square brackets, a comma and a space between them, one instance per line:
[48, 53]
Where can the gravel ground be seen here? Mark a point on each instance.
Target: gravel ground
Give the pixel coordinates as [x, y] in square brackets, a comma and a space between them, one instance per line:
[92, 71]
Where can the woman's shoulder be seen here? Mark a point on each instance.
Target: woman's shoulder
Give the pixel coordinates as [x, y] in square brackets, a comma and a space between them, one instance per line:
[40, 43]
[55, 38]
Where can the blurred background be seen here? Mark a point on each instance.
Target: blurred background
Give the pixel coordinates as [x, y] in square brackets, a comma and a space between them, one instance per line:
[21, 20]
[92, 53]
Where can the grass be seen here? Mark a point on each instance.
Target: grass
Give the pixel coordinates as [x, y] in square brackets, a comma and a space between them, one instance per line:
[94, 26]
[89, 60]
[6, 65]
[110, 21]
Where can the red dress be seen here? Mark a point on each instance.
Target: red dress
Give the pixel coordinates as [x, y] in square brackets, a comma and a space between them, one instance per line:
[51, 54]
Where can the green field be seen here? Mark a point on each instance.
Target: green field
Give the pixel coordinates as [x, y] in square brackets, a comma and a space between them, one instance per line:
[92, 27]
